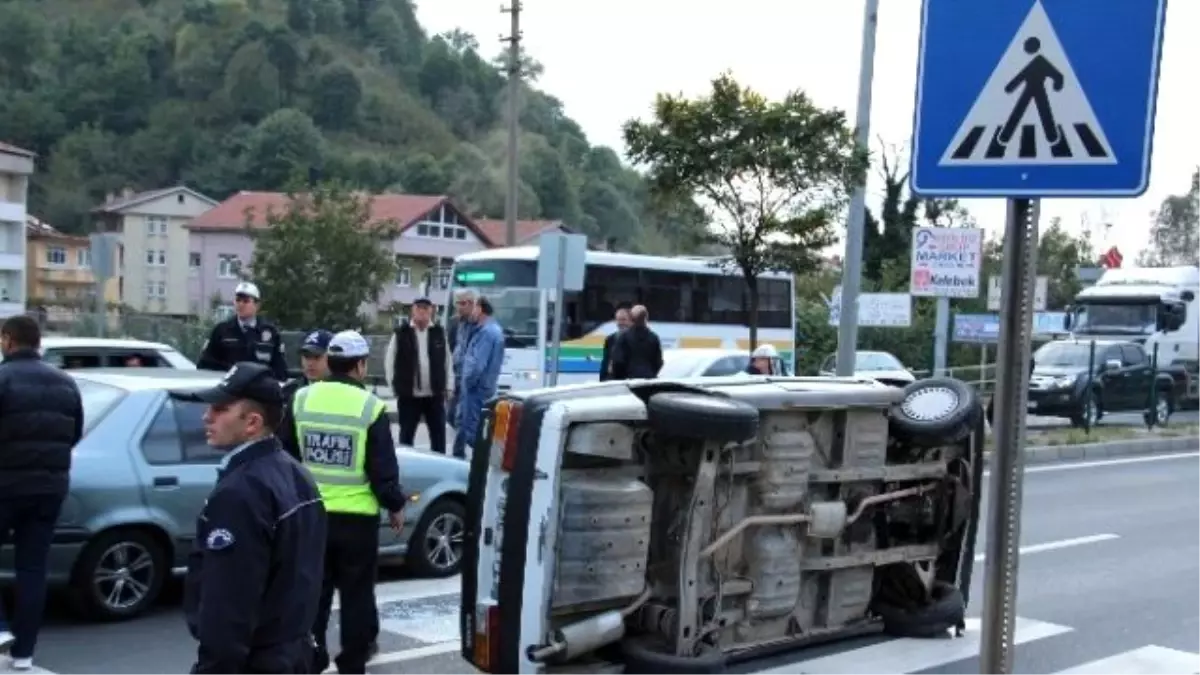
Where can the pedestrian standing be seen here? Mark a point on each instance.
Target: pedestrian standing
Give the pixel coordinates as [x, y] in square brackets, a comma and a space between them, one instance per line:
[314, 367]
[480, 373]
[344, 436]
[41, 420]
[621, 318]
[420, 371]
[637, 351]
[253, 582]
[460, 336]
[245, 336]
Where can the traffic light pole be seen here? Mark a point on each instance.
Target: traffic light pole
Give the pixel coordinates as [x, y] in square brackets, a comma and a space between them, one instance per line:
[1018, 280]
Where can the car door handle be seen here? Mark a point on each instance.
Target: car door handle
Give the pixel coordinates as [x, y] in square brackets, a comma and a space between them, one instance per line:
[166, 482]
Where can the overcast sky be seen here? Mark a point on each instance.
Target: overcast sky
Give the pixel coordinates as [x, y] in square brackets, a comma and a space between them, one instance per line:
[607, 60]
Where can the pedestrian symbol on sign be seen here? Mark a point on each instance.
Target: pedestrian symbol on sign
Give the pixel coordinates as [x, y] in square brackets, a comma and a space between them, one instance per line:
[1032, 110]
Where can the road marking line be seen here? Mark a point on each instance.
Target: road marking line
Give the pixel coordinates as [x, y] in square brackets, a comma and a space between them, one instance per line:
[1070, 466]
[911, 655]
[412, 589]
[408, 654]
[1148, 660]
[1063, 543]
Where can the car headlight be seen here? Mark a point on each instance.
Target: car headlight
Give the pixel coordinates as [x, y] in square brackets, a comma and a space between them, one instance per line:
[1065, 381]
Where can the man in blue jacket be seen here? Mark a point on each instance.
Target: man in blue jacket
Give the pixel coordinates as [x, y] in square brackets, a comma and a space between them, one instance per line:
[482, 358]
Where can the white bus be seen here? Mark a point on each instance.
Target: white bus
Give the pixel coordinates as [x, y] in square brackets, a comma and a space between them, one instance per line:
[692, 304]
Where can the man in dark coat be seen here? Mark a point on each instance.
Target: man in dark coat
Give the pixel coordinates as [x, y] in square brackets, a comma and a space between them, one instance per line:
[637, 351]
[621, 318]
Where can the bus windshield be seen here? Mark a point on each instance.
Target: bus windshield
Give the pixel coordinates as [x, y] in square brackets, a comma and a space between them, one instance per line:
[1122, 319]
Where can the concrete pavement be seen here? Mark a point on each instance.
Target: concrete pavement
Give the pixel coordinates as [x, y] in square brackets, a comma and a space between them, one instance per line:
[1109, 567]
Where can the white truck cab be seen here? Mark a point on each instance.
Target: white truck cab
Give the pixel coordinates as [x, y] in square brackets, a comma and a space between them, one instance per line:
[680, 526]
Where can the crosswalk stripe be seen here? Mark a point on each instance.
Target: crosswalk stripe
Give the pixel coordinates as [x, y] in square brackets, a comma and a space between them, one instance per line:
[909, 655]
[1148, 660]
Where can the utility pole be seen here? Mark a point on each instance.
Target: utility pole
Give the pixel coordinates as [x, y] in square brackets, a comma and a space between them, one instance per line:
[514, 91]
[852, 260]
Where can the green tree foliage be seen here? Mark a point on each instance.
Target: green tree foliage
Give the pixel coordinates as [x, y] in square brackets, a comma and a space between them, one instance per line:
[229, 95]
[1175, 230]
[772, 175]
[320, 259]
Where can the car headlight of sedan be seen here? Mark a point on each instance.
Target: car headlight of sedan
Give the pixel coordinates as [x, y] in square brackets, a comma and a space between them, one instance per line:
[1065, 381]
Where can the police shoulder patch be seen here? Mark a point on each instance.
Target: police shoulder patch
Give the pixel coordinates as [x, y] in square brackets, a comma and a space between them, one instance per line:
[219, 539]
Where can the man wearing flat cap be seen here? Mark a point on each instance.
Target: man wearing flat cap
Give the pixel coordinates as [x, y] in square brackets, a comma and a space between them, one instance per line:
[253, 582]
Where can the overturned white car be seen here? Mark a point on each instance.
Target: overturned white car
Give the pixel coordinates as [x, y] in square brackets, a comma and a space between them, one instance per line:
[677, 527]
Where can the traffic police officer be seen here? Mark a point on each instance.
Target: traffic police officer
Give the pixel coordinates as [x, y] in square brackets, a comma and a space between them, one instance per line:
[253, 584]
[314, 367]
[343, 434]
[244, 337]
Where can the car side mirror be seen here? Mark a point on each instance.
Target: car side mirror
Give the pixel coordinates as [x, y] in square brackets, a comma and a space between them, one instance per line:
[1112, 364]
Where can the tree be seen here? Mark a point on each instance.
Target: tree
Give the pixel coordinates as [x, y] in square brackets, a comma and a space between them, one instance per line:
[1175, 231]
[322, 258]
[282, 145]
[772, 176]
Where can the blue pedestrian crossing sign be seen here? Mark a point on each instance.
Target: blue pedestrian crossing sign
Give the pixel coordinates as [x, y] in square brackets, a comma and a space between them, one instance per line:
[1036, 98]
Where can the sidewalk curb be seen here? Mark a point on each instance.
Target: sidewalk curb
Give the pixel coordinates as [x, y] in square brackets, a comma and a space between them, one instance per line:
[1124, 448]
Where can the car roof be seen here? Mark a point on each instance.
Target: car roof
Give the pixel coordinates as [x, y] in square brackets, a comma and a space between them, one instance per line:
[137, 379]
[55, 342]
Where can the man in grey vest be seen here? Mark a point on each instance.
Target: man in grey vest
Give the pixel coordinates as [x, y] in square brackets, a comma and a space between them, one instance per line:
[420, 371]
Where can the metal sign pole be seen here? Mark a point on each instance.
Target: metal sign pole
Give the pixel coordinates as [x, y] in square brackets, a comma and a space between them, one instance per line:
[1012, 389]
[559, 314]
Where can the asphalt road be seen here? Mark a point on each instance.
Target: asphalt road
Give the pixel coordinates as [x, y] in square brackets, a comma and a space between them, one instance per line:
[1110, 561]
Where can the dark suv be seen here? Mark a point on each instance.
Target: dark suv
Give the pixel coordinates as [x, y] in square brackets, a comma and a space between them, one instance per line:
[1120, 380]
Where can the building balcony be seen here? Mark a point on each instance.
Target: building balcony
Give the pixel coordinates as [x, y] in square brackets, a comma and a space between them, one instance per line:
[65, 275]
[14, 262]
[12, 212]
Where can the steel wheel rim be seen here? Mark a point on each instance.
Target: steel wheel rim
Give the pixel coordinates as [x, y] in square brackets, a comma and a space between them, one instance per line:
[123, 575]
[1090, 413]
[1162, 409]
[444, 540]
[931, 404]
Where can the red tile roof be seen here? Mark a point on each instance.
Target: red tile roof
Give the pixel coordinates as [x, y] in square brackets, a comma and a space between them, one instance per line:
[527, 230]
[14, 150]
[231, 213]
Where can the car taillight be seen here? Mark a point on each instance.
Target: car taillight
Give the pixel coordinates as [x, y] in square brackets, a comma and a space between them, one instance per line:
[487, 638]
[504, 432]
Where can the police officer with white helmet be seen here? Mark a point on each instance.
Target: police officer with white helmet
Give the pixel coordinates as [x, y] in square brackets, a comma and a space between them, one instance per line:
[245, 336]
[342, 434]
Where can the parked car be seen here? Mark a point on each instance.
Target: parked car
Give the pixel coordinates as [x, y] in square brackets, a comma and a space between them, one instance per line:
[73, 353]
[879, 366]
[1121, 379]
[142, 472]
[680, 363]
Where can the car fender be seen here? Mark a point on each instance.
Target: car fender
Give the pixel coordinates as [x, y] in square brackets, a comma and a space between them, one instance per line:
[439, 489]
[128, 516]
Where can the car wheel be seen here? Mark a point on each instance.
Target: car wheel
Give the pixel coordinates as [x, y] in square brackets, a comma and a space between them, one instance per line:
[119, 575]
[1088, 413]
[652, 654]
[435, 548]
[937, 411]
[702, 416]
[1161, 413]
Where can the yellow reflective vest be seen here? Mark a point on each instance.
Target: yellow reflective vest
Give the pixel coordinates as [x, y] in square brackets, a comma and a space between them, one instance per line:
[332, 419]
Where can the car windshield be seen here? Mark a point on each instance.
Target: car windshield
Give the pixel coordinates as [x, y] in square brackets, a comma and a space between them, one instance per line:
[876, 361]
[679, 364]
[98, 400]
[1061, 354]
[1121, 319]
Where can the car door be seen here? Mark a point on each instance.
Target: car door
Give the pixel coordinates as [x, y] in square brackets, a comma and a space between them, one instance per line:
[1133, 360]
[1117, 381]
[179, 469]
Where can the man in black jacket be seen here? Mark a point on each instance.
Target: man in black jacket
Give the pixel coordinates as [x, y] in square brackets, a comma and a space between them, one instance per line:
[254, 578]
[245, 336]
[621, 318]
[637, 352]
[41, 420]
[419, 370]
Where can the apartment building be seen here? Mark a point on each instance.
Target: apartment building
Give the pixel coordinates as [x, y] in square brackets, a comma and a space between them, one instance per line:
[59, 272]
[16, 166]
[154, 245]
[432, 232]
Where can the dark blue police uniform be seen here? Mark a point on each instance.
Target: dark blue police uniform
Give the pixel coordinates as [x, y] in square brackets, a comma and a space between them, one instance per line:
[254, 577]
[230, 342]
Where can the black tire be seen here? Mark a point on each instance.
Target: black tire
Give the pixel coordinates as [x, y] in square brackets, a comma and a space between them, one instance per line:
[423, 555]
[946, 611]
[1079, 417]
[935, 411]
[702, 416]
[644, 654]
[146, 570]
[1164, 405]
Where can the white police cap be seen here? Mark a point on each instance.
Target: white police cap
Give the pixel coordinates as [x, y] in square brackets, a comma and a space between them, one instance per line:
[348, 344]
[247, 288]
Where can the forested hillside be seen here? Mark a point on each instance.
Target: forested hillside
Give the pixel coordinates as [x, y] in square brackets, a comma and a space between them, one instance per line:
[228, 95]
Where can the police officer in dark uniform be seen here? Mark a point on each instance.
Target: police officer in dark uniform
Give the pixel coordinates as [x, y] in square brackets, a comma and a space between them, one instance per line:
[244, 337]
[314, 367]
[254, 577]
